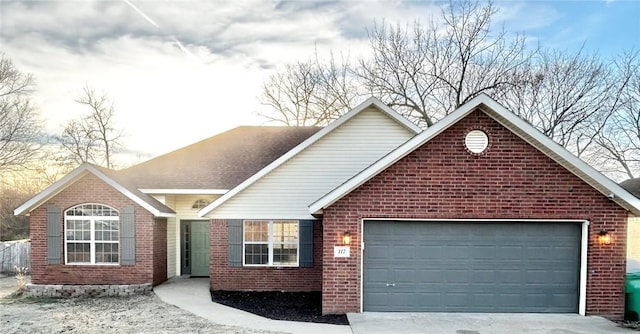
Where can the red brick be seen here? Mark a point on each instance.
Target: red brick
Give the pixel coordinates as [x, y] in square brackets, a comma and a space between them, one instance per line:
[511, 180]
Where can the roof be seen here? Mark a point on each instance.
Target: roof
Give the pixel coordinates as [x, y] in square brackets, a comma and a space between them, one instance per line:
[632, 186]
[106, 175]
[512, 122]
[220, 162]
[212, 165]
[368, 103]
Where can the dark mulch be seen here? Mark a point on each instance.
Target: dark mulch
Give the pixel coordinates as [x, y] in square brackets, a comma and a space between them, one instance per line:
[635, 325]
[292, 306]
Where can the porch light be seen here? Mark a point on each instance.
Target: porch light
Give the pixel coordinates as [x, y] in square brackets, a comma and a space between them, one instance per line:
[346, 238]
[604, 238]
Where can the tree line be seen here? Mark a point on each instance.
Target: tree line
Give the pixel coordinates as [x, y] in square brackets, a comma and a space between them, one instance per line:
[588, 104]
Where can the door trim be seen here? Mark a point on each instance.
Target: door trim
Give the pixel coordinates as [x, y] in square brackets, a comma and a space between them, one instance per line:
[584, 247]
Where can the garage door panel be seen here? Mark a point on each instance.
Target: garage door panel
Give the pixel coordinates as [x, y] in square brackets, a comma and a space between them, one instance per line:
[469, 267]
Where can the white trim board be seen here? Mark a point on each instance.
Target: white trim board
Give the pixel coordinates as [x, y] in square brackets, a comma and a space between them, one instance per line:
[159, 191]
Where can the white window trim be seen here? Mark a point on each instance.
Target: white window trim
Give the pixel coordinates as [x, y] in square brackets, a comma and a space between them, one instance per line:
[92, 241]
[271, 243]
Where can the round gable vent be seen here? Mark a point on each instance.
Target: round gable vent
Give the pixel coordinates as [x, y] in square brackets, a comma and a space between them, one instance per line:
[476, 141]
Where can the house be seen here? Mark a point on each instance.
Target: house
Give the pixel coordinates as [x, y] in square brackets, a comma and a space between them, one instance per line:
[478, 213]
[633, 230]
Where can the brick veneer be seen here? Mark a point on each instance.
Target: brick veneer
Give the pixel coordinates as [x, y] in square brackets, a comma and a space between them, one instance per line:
[90, 189]
[510, 180]
[225, 277]
[159, 250]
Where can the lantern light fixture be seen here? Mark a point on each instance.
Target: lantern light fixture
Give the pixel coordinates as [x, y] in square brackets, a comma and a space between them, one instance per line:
[346, 238]
[604, 237]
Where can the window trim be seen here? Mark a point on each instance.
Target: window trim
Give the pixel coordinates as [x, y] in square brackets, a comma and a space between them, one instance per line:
[92, 241]
[200, 203]
[270, 243]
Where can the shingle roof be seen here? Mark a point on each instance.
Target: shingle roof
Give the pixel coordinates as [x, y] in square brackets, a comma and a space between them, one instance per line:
[632, 186]
[219, 162]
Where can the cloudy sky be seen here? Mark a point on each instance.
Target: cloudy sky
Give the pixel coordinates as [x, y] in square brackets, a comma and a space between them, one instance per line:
[180, 71]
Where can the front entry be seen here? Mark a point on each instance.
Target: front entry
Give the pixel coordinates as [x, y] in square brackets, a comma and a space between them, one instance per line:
[195, 247]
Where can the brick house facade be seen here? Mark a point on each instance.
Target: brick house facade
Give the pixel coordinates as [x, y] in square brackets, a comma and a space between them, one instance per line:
[511, 180]
[150, 234]
[402, 175]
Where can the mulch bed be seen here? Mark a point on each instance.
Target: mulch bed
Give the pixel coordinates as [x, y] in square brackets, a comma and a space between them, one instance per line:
[635, 325]
[291, 306]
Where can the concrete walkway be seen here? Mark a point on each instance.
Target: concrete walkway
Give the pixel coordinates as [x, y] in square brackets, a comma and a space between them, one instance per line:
[481, 323]
[192, 294]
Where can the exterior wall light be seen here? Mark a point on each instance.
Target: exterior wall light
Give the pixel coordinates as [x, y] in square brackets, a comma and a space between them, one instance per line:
[604, 238]
[346, 238]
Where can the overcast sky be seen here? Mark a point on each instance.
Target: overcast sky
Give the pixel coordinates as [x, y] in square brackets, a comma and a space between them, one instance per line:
[182, 71]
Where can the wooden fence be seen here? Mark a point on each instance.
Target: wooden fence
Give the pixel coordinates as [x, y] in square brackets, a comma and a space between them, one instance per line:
[15, 254]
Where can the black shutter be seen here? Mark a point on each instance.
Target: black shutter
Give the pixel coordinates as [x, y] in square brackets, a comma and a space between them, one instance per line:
[54, 237]
[306, 243]
[234, 227]
[128, 236]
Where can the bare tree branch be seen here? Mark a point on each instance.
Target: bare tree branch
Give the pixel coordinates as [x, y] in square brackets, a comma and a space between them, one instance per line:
[20, 130]
[92, 138]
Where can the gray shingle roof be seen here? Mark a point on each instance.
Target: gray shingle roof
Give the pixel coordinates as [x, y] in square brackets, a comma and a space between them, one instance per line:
[219, 162]
[632, 186]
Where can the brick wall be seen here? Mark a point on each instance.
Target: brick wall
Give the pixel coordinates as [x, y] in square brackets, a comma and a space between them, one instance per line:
[508, 181]
[225, 277]
[90, 189]
[159, 250]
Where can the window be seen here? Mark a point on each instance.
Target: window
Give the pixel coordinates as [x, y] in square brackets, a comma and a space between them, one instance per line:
[92, 234]
[270, 243]
[200, 204]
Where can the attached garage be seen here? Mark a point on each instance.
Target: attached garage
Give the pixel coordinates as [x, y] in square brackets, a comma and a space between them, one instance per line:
[478, 213]
[465, 266]
[437, 266]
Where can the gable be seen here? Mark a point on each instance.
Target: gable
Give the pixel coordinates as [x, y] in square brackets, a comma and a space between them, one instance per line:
[510, 180]
[512, 123]
[286, 191]
[105, 175]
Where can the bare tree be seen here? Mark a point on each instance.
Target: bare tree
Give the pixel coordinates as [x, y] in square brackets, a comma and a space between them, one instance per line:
[92, 138]
[424, 71]
[310, 93]
[568, 97]
[430, 70]
[618, 142]
[20, 129]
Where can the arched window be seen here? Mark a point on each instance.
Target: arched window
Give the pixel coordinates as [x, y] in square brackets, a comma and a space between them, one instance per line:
[92, 234]
[200, 204]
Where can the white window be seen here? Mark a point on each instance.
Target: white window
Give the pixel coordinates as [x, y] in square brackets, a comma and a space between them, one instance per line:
[92, 234]
[200, 204]
[270, 243]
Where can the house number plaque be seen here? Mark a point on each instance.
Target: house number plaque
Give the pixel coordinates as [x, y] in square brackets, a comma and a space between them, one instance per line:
[341, 251]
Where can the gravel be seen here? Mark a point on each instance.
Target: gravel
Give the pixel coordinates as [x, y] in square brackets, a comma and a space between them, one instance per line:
[136, 314]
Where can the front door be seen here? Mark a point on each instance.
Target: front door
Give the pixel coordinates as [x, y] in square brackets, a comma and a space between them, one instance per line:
[195, 248]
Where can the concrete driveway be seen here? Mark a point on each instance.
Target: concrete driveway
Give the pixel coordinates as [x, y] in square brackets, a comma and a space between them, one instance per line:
[481, 323]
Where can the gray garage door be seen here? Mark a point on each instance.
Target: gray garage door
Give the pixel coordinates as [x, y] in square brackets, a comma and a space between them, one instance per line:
[471, 267]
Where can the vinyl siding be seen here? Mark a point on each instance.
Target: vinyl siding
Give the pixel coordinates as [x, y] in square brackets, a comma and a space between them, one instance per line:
[633, 244]
[182, 205]
[287, 191]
